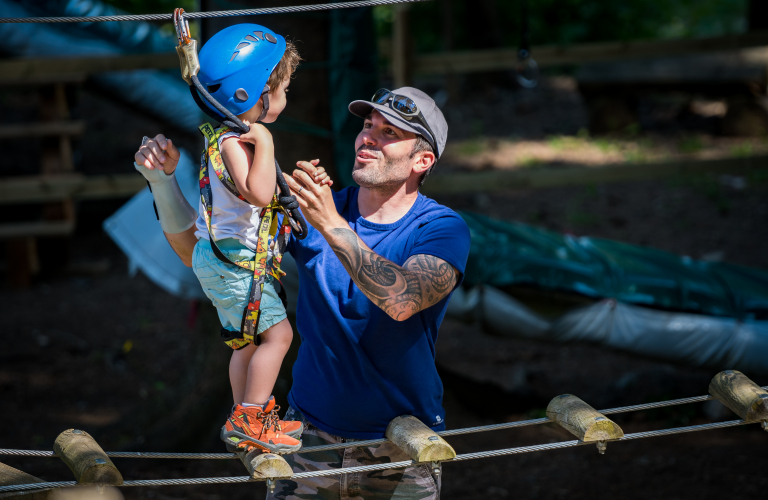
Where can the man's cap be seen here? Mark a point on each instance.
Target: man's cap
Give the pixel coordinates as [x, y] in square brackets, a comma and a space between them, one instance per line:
[429, 110]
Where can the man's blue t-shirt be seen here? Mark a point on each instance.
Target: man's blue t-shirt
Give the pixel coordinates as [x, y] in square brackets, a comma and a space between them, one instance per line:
[357, 368]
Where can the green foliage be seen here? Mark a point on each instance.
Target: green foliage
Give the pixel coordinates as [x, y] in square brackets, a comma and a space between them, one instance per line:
[498, 22]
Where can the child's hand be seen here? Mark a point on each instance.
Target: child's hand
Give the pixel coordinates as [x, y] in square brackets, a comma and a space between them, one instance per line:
[317, 173]
[256, 132]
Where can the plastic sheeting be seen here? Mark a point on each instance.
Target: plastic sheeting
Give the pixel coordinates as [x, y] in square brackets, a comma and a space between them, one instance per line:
[691, 339]
[512, 253]
[142, 88]
[136, 230]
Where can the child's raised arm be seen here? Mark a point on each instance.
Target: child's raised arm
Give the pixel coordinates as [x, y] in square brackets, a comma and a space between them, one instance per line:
[251, 164]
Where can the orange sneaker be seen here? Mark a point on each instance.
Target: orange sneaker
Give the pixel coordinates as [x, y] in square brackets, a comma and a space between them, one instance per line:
[251, 427]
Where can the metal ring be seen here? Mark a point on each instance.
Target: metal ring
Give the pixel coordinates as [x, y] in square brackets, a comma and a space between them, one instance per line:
[144, 140]
[299, 191]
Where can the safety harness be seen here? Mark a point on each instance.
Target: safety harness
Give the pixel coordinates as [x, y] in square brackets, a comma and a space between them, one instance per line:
[269, 238]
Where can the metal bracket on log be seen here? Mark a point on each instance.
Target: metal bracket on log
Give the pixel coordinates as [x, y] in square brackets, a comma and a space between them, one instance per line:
[583, 421]
[86, 459]
[14, 477]
[744, 397]
[420, 442]
[266, 467]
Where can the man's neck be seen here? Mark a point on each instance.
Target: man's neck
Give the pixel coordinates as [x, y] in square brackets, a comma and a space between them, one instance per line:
[385, 206]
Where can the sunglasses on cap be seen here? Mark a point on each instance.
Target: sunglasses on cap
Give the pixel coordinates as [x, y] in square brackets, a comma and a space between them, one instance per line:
[405, 107]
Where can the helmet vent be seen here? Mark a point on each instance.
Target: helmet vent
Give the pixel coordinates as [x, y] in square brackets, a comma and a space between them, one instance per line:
[258, 34]
[214, 88]
[242, 45]
[270, 38]
[241, 95]
[251, 38]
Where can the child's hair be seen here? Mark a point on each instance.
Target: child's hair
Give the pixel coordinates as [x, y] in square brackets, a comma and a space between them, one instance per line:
[286, 67]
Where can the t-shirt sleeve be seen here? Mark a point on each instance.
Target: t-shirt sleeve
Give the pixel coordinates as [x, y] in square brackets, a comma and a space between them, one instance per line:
[446, 238]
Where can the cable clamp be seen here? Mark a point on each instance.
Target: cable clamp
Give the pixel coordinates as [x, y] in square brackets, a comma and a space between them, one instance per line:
[187, 48]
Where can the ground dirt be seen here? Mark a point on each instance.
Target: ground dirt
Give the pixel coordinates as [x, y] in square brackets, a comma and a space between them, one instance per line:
[94, 348]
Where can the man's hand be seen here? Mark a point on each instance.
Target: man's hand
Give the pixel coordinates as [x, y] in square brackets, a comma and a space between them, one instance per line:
[308, 184]
[158, 153]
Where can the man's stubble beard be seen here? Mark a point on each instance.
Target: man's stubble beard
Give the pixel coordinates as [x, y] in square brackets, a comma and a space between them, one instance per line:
[386, 176]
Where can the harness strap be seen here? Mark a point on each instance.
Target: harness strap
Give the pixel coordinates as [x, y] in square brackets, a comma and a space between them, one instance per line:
[271, 235]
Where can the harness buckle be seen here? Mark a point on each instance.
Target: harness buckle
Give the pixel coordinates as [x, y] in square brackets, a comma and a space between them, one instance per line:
[187, 48]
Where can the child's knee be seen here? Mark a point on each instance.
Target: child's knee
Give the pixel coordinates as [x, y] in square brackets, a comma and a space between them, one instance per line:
[280, 334]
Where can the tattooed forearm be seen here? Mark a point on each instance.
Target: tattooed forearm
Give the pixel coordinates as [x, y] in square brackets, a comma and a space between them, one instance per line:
[401, 292]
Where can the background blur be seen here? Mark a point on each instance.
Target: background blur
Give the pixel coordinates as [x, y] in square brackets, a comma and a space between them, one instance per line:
[641, 122]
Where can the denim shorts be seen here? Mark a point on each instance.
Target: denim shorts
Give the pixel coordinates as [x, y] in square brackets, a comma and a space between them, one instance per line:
[228, 286]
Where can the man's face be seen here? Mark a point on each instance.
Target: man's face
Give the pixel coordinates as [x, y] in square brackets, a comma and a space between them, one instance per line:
[383, 153]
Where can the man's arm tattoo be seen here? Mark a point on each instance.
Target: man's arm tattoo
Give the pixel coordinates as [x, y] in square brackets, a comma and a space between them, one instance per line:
[401, 292]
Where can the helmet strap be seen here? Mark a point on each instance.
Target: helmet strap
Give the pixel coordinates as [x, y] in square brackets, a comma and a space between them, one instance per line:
[265, 100]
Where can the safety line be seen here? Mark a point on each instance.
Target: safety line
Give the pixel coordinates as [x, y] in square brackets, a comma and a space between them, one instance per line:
[203, 15]
[386, 466]
[369, 442]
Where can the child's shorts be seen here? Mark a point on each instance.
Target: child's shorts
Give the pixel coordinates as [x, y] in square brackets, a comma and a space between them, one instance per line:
[228, 286]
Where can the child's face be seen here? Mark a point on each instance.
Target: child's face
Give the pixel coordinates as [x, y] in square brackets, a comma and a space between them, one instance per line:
[277, 101]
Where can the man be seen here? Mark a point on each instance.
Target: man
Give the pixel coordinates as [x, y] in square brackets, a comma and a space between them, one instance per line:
[375, 273]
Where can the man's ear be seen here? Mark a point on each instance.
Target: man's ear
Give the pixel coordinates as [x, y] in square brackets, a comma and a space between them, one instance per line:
[424, 160]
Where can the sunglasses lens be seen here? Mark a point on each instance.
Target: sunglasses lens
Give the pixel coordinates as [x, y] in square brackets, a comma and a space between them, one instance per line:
[405, 105]
[381, 96]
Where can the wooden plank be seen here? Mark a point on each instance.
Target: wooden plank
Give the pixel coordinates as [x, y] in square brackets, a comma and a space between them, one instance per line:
[744, 397]
[420, 442]
[506, 59]
[36, 70]
[86, 459]
[547, 177]
[13, 477]
[40, 189]
[262, 465]
[583, 421]
[54, 128]
[38, 228]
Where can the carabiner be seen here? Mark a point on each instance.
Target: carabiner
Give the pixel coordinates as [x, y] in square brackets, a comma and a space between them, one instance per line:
[187, 48]
[182, 27]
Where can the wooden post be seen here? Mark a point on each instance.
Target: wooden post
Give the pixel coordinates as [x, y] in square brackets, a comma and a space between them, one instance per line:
[420, 442]
[401, 48]
[744, 397]
[583, 421]
[266, 466]
[86, 459]
[10, 476]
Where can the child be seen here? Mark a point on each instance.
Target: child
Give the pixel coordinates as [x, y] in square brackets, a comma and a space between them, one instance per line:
[246, 68]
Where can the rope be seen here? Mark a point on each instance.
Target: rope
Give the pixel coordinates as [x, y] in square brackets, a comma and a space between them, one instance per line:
[385, 466]
[370, 442]
[204, 15]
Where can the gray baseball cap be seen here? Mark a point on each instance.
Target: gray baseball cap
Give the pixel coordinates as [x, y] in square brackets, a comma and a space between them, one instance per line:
[429, 110]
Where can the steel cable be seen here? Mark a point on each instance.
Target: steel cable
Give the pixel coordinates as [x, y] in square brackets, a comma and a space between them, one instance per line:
[385, 466]
[370, 442]
[204, 15]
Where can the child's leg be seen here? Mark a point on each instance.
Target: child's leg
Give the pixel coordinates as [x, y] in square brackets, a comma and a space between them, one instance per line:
[238, 371]
[265, 363]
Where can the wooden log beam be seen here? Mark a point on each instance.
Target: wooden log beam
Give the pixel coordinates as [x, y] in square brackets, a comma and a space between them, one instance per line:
[266, 466]
[547, 177]
[583, 421]
[744, 397]
[14, 477]
[45, 129]
[420, 442]
[47, 188]
[40, 70]
[86, 459]
[506, 59]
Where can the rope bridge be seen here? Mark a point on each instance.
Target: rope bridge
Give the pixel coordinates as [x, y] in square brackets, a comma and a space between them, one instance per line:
[732, 388]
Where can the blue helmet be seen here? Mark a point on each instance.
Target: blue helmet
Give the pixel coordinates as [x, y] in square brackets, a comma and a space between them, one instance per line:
[236, 62]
